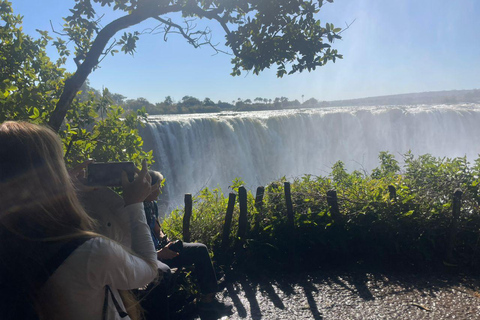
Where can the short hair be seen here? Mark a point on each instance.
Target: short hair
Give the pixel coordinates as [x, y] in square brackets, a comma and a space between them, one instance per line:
[156, 176]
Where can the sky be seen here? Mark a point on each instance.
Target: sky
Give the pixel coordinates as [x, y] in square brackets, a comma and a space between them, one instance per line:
[392, 47]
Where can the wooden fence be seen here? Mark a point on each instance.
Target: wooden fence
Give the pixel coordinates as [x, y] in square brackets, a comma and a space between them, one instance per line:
[332, 201]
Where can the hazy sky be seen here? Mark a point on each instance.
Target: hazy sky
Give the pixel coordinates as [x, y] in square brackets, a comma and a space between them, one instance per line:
[394, 46]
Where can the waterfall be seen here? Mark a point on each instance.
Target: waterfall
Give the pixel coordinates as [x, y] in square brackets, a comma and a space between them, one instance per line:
[210, 150]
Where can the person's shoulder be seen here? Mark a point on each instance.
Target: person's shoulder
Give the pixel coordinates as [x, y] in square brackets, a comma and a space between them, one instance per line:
[102, 243]
[97, 261]
[103, 251]
[99, 247]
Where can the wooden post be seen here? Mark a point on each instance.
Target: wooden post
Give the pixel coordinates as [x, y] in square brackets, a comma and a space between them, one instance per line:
[332, 201]
[291, 229]
[186, 217]
[288, 200]
[457, 203]
[393, 192]
[259, 207]
[228, 220]
[242, 219]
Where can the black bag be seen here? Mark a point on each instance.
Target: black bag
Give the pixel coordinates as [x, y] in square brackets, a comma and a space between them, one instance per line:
[25, 266]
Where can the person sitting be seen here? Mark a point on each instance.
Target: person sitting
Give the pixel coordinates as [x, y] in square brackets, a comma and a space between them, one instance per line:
[52, 266]
[184, 254]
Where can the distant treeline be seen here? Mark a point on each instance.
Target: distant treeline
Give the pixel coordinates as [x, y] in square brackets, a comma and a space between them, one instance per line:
[189, 104]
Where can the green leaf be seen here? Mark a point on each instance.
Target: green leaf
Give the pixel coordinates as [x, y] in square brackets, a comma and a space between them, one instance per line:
[36, 114]
[408, 213]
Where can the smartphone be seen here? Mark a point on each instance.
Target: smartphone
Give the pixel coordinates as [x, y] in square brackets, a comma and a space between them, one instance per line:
[109, 174]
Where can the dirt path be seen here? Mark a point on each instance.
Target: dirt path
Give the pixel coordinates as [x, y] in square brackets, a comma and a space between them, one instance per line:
[357, 295]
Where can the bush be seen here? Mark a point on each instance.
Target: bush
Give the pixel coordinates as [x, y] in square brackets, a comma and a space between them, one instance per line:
[414, 229]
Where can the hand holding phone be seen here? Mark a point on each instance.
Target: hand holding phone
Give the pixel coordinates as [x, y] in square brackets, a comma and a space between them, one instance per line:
[139, 189]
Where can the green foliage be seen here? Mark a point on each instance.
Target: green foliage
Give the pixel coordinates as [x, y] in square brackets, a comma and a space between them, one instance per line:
[412, 229]
[388, 166]
[113, 138]
[29, 82]
[207, 218]
[30, 86]
[282, 33]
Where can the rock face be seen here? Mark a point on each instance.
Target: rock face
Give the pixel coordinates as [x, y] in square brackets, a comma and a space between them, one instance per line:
[356, 295]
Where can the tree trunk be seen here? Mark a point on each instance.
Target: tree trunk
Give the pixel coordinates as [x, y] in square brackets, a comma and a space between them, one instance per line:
[73, 84]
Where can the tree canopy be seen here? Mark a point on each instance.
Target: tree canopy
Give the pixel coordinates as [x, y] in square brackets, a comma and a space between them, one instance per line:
[259, 33]
[31, 84]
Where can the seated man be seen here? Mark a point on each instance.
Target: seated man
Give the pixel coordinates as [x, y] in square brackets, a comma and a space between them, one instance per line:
[185, 254]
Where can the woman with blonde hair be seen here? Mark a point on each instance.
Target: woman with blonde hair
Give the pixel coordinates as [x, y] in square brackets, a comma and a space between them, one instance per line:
[51, 264]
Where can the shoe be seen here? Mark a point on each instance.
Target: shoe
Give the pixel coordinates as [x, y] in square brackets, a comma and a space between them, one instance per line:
[215, 306]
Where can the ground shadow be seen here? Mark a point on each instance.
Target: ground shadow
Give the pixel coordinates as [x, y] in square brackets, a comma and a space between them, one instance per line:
[362, 283]
[237, 303]
[309, 290]
[272, 295]
[250, 293]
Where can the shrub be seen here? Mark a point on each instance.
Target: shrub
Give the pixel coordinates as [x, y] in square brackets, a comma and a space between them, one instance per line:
[412, 229]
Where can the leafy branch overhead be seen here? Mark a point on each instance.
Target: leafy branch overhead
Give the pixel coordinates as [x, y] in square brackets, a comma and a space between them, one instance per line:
[259, 33]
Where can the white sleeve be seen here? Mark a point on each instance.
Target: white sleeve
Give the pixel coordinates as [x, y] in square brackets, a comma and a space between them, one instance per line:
[142, 243]
[110, 264]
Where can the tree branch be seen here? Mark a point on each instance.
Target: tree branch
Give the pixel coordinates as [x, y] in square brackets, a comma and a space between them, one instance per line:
[214, 15]
[347, 26]
[73, 84]
[56, 32]
[186, 35]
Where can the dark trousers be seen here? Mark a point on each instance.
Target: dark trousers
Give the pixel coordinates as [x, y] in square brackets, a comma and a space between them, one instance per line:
[196, 254]
[155, 302]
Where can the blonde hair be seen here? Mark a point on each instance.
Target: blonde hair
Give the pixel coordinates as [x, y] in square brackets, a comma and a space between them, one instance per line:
[38, 200]
[36, 187]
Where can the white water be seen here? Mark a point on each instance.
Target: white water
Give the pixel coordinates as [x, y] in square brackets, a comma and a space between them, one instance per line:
[195, 151]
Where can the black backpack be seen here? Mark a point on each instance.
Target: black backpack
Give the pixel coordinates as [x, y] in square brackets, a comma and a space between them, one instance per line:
[25, 266]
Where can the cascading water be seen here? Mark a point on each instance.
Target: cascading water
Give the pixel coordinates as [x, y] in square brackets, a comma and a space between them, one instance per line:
[210, 150]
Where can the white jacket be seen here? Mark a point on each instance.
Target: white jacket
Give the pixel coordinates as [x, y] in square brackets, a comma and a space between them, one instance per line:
[77, 288]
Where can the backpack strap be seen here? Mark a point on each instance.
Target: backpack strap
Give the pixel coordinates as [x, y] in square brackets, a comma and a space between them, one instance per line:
[121, 313]
[56, 260]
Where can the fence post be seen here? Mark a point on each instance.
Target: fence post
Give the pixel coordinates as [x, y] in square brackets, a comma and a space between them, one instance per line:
[288, 200]
[228, 220]
[242, 219]
[186, 217]
[291, 228]
[393, 192]
[259, 207]
[452, 232]
[332, 201]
